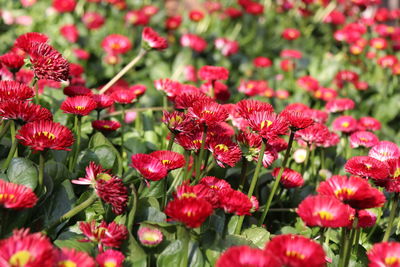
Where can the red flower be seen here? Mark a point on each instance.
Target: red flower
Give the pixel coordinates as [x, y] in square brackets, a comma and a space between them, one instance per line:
[76, 90]
[48, 63]
[345, 124]
[363, 138]
[24, 111]
[208, 113]
[106, 126]
[236, 202]
[70, 257]
[177, 122]
[293, 54]
[224, 150]
[42, 135]
[384, 150]
[25, 249]
[138, 89]
[393, 183]
[171, 160]
[248, 106]
[226, 46]
[296, 251]
[110, 235]
[291, 34]
[193, 41]
[64, 5]
[26, 40]
[366, 218]
[233, 12]
[262, 62]
[93, 20]
[325, 211]
[12, 61]
[149, 167]
[369, 124]
[187, 100]
[367, 167]
[152, 40]
[70, 32]
[289, 178]
[308, 83]
[190, 211]
[214, 183]
[213, 73]
[196, 15]
[339, 105]
[112, 191]
[172, 23]
[385, 254]
[268, 124]
[297, 120]
[78, 105]
[81, 54]
[354, 191]
[103, 101]
[12, 90]
[109, 258]
[116, 44]
[122, 96]
[15, 196]
[243, 256]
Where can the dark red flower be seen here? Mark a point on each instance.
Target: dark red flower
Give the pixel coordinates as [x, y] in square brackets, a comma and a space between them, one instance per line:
[70, 32]
[12, 90]
[70, 257]
[25, 41]
[366, 218]
[122, 96]
[296, 251]
[385, 254]
[207, 112]
[76, 90]
[367, 167]
[289, 178]
[186, 100]
[149, 167]
[297, 120]
[63, 6]
[24, 111]
[193, 41]
[42, 135]
[103, 101]
[112, 191]
[172, 23]
[368, 124]
[262, 62]
[93, 20]
[291, 34]
[177, 122]
[213, 73]
[106, 126]
[196, 15]
[12, 61]
[243, 256]
[317, 133]
[268, 124]
[116, 44]
[171, 160]
[110, 235]
[16, 196]
[78, 105]
[152, 40]
[248, 106]
[233, 201]
[224, 150]
[308, 83]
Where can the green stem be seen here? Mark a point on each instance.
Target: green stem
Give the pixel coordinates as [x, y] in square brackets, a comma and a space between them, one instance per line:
[395, 203]
[201, 154]
[357, 240]
[78, 123]
[74, 211]
[321, 236]
[41, 172]
[187, 162]
[278, 179]
[322, 155]
[13, 149]
[5, 128]
[304, 167]
[123, 132]
[138, 120]
[343, 242]
[327, 236]
[253, 183]
[171, 142]
[243, 174]
[350, 242]
[184, 237]
[36, 86]
[132, 211]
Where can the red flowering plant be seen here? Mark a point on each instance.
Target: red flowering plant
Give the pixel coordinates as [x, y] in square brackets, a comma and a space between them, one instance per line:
[248, 133]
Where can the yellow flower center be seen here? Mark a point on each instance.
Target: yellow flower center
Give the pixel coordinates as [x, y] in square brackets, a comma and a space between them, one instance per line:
[79, 107]
[110, 264]
[265, 124]
[103, 176]
[295, 254]
[188, 195]
[363, 139]
[325, 215]
[222, 147]
[196, 142]
[207, 112]
[175, 120]
[20, 259]
[115, 46]
[150, 237]
[392, 260]
[166, 161]
[344, 191]
[46, 134]
[395, 175]
[7, 197]
[189, 213]
[67, 263]
[368, 166]
[345, 124]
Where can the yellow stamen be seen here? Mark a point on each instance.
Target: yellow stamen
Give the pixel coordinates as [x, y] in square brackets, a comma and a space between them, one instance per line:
[392, 260]
[266, 124]
[20, 259]
[295, 254]
[222, 147]
[67, 263]
[345, 124]
[344, 191]
[325, 215]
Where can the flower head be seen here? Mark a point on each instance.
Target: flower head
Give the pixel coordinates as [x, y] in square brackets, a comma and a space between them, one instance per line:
[71, 257]
[110, 258]
[297, 120]
[110, 235]
[290, 178]
[22, 111]
[26, 40]
[149, 167]
[150, 236]
[233, 201]
[224, 150]
[42, 135]
[367, 167]
[78, 105]
[151, 40]
[384, 150]
[76, 90]
[106, 126]
[15, 196]
[213, 73]
[122, 96]
[12, 90]
[345, 124]
[116, 44]
[385, 254]
[171, 160]
[369, 124]
[339, 105]
[243, 256]
[363, 138]
[206, 112]
[103, 101]
[13, 61]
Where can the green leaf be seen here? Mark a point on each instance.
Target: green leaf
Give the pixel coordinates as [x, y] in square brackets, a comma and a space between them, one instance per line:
[75, 244]
[23, 171]
[171, 255]
[57, 171]
[156, 190]
[106, 156]
[258, 235]
[196, 258]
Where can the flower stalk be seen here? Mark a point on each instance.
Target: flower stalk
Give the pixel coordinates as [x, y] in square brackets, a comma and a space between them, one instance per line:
[392, 215]
[14, 146]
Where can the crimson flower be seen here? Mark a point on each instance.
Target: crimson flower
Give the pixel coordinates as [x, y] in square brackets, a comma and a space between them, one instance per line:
[12, 90]
[151, 40]
[190, 211]
[325, 211]
[369, 124]
[248, 106]
[110, 235]
[70, 257]
[116, 44]
[345, 124]
[93, 20]
[366, 218]
[367, 167]
[291, 34]
[384, 150]
[262, 62]
[76, 90]
[103, 101]
[268, 124]
[42, 135]
[296, 250]
[12, 61]
[393, 183]
[78, 105]
[25, 249]
[171, 160]
[149, 167]
[24, 111]
[233, 201]
[297, 120]
[315, 134]
[213, 73]
[70, 32]
[243, 256]
[289, 178]
[106, 126]
[224, 150]
[109, 258]
[187, 100]
[15, 196]
[207, 112]
[63, 6]
[177, 121]
[339, 105]
[385, 254]
[123, 96]
[363, 138]
[25, 41]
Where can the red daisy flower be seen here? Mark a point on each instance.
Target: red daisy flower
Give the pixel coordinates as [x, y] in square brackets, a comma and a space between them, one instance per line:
[187, 100]
[393, 183]
[48, 63]
[70, 257]
[171, 160]
[177, 121]
[149, 167]
[77, 90]
[193, 41]
[308, 83]
[169, 87]
[213, 73]
[214, 183]
[384, 150]
[296, 251]
[369, 124]
[339, 105]
[185, 191]
[15, 196]
[138, 89]
[70, 33]
[268, 124]
[94, 172]
[262, 62]
[24, 111]
[318, 116]
[191, 140]
[236, 202]
[106, 126]
[291, 34]
[354, 191]
[112, 191]
[122, 96]
[345, 124]
[297, 120]
[316, 133]
[116, 44]
[208, 113]
[190, 211]
[103, 101]
[363, 138]
[110, 258]
[367, 167]
[25, 249]
[12, 61]
[248, 106]
[244, 256]
[289, 178]
[151, 40]
[41, 135]
[224, 150]
[110, 235]
[26, 40]
[63, 6]
[93, 20]
[78, 105]
[325, 211]
[385, 254]
[366, 218]
[12, 90]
